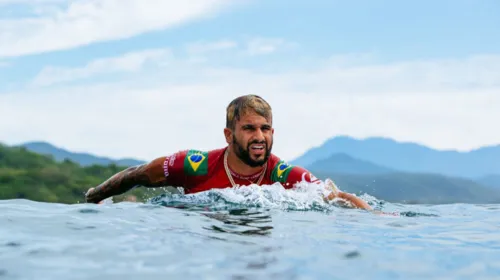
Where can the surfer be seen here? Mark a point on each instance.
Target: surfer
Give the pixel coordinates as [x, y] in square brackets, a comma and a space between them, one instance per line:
[247, 159]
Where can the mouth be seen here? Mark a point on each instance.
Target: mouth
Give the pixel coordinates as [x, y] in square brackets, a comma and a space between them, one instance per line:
[257, 148]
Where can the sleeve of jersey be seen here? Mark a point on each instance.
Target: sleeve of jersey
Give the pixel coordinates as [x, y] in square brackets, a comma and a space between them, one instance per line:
[289, 175]
[173, 169]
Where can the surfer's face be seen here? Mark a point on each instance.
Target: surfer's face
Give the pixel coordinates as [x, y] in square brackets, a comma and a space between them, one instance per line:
[253, 139]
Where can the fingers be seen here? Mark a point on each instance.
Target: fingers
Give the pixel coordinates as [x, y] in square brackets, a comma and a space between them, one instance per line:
[87, 195]
[90, 190]
[332, 186]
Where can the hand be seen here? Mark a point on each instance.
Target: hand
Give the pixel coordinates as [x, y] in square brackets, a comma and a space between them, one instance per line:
[330, 185]
[88, 194]
[347, 197]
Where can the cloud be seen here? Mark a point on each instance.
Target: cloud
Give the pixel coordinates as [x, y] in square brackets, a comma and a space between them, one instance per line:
[164, 102]
[199, 52]
[136, 62]
[131, 62]
[261, 46]
[205, 47]
[407, 77]
[10, 2]
[59, 25]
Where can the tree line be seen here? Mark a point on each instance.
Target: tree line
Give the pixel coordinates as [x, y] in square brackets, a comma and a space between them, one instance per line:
[28, 175]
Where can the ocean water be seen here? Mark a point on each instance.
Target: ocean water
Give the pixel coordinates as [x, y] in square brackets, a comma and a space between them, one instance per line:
[248, 233]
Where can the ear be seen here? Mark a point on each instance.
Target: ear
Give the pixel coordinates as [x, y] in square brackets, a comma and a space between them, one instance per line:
[228, 134]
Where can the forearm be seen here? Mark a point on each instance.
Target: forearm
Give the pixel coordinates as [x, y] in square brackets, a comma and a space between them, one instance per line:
[354, 200]
[118, 184]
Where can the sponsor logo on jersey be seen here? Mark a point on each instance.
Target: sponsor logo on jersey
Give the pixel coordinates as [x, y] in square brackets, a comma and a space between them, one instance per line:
[169, 162]
[310, 178]
[165, 166]
[172, 159]
[281, 171]
[196, 163]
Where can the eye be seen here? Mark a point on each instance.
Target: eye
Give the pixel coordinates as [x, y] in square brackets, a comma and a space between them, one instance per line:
[248, 127]
[266, 128]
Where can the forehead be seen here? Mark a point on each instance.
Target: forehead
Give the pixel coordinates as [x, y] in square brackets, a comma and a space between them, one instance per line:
[252, 118]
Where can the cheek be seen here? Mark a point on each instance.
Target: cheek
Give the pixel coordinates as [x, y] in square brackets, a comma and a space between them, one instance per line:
[269, 137]
[242, 137]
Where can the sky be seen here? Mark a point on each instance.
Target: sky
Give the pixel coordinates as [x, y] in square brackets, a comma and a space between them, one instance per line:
[144, 78]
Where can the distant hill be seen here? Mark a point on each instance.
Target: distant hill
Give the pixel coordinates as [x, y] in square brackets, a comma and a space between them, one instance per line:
[490, 180]
[414, 188]
[29, 175]
[408, 157]
[343, 163]
[83, 159]
[38, 177]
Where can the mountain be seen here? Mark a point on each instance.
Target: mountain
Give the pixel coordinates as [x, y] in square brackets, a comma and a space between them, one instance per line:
[343, 163]
[83, 159]
[492, 180]
[29, 175]
[408, 157]
[419, 188]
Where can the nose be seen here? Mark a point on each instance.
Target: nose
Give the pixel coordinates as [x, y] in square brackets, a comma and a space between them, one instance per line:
[259, 135]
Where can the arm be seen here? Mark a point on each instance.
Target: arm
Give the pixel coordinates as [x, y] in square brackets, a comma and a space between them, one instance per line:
[299, 174]
[352, 199]
[159, 172]
[147, 175]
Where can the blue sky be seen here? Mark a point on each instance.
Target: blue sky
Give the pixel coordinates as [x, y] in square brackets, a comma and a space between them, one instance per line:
[139, 78]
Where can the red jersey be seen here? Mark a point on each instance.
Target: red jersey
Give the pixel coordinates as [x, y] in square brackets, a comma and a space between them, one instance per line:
[198, 171]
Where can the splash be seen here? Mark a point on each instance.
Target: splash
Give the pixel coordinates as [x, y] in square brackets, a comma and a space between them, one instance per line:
[304, 197]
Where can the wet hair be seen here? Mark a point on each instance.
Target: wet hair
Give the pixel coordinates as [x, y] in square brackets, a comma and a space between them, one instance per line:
[245, 104]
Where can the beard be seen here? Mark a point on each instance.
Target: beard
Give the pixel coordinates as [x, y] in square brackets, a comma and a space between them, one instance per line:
[244, 154]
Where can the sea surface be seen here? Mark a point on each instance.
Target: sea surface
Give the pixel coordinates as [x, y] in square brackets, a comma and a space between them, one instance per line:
[248, 233]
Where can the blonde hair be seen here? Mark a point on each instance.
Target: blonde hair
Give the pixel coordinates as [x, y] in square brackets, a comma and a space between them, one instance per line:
[244, 104]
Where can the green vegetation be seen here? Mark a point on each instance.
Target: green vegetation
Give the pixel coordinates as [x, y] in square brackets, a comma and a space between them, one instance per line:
[24, 174]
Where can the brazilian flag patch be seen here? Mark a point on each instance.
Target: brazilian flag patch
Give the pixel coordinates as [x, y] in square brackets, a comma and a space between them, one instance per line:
[281, 171]
[196, 163]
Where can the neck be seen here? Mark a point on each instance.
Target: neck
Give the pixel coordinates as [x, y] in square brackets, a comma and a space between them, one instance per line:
[238, 166]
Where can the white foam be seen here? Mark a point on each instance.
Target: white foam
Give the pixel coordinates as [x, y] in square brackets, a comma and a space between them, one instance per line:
[304, 196]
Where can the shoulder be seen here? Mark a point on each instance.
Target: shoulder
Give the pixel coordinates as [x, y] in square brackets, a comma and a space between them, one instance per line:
[191, 162]
[285, 172]
[196, 162]
[280, 169]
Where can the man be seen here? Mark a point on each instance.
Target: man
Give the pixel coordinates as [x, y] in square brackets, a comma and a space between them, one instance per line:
[246, 160]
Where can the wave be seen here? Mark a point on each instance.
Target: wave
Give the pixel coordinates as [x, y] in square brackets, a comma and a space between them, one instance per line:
[304, 197]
